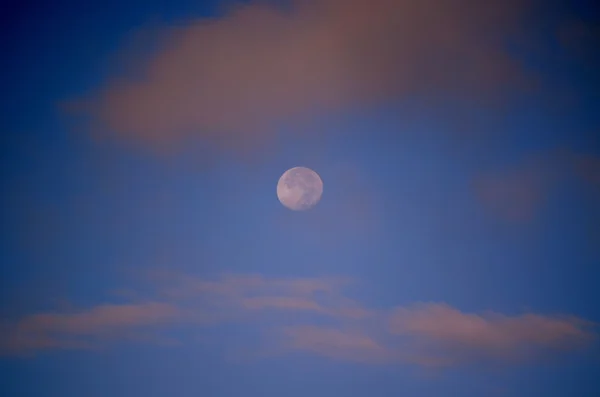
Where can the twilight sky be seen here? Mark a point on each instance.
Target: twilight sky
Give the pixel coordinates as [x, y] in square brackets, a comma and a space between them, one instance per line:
[455, 250]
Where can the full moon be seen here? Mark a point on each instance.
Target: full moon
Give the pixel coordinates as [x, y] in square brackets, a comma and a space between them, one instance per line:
[299, 188]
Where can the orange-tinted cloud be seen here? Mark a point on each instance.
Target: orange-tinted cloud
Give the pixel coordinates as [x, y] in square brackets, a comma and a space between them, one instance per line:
[323, 321]
[230, 80]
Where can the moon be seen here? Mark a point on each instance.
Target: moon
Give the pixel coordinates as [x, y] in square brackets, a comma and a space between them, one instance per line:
[299, 188]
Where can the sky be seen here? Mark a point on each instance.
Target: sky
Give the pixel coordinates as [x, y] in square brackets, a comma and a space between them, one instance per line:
[455, 249]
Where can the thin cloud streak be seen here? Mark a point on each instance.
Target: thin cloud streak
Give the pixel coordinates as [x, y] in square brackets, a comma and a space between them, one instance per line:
[354, 345]
[235, 286]
[83, 329]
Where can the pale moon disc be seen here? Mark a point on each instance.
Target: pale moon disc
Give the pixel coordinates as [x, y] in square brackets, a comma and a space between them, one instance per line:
[299, 188]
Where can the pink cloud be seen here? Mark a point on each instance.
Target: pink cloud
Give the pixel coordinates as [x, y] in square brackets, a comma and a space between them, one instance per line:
[335, 343]
[240, 284]
[287, 303]
[518, 192]
[82, 329]
[438, 335]
[514, 196]
[589, 168]
[457, 335]
[324, 321]
[185, 300]
[340, 307]
[102, 318]
[237, 293]
[230, 80]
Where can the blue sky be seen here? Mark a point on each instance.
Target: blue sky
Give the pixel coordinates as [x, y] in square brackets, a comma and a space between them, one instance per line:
[455, 247]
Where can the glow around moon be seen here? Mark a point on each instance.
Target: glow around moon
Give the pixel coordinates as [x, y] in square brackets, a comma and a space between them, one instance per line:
[299, 188]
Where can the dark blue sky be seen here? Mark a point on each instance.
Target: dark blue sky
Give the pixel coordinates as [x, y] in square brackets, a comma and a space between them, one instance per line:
[455, 248]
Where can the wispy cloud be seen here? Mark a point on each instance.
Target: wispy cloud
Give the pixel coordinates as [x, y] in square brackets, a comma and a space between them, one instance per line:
[236, 286]
[230, 295]
[518, 191]
[85, 328]
[457, 336]
[230, 80]
[176, 298]
[512, 195]
[325, 322]
[351, 345]
[589, 168]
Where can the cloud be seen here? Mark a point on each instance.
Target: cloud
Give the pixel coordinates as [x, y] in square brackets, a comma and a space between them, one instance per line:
[335, 343]
[179, 286]
[438, 335]
[581, 37]
[309, 315]
[231, 80]
[518, 192]
[83, 329]
[512, 195]
[286, 303]
[176, 299]
[589, 168]
[459, 336]
[232, 294]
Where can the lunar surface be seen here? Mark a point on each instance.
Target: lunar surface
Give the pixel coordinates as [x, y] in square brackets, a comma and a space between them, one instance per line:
[299, 188]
